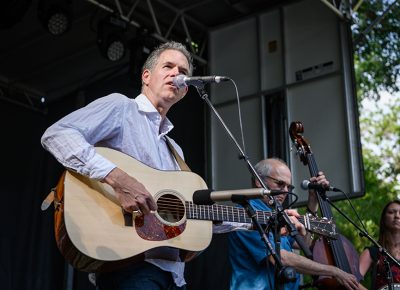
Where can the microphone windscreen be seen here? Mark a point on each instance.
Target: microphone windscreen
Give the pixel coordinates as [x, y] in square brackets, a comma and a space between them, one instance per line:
[304, 184]
[179, 81]
[203, 197]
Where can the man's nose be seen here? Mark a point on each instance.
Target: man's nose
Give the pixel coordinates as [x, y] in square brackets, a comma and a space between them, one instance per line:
[175, 71]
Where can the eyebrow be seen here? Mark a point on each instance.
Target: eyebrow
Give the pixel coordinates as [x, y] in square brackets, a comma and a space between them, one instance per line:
[181, 68]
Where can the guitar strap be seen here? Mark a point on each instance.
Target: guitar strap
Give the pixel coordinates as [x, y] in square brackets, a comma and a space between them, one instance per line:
[182, 164]
[185, 255]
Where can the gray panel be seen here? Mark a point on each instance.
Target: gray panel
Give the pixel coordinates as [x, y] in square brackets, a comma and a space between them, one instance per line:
[271, 51]
[228, 171]
[320, 106]
[233, 52]
[319, 87]
[311, 40]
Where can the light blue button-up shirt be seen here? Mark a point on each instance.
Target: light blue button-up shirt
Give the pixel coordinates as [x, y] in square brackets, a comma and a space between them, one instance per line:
[132, 126]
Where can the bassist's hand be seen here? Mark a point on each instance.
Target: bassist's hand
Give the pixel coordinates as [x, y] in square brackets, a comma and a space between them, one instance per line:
[320, 179]
[312, 204]
[347, 280]
[131, 194]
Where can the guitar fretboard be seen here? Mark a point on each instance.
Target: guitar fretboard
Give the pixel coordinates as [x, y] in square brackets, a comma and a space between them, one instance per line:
[221, 213]
[217, 212]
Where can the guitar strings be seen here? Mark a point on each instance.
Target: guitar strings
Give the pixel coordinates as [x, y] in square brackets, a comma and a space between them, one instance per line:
[215, 212]
[175, 205]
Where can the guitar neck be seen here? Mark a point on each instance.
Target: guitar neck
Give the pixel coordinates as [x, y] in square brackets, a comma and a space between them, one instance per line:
[226, 213]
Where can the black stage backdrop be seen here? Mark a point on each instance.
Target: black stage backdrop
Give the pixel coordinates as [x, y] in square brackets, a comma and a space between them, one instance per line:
[29, 258]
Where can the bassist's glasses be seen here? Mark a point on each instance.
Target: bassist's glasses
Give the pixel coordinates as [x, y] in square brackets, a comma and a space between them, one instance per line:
[281, 184]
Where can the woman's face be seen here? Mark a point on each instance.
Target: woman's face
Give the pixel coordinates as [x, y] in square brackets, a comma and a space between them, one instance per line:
[392, 216]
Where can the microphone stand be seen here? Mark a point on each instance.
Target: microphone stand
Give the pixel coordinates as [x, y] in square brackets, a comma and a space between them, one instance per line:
[271, 202]
[389, 274]
[283, 273]
[363, 233]
[280, 271]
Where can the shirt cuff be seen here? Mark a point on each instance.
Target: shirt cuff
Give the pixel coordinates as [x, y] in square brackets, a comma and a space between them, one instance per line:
[98, 167]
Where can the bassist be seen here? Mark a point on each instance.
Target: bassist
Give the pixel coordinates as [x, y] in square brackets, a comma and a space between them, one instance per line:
[251, 268]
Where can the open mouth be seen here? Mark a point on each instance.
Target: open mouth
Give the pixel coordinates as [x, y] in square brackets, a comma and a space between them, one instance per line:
[171, 84]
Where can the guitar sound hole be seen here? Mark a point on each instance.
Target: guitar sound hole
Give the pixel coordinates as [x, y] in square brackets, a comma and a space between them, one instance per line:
[170, 208]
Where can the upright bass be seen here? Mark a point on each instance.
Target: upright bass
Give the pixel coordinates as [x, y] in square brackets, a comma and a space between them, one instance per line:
[339, 252]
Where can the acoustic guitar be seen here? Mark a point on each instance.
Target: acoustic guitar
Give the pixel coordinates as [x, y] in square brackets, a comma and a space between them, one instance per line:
[93, 234]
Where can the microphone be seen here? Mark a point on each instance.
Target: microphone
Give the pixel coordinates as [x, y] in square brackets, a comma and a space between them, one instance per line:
[181, 81]
[306, 184]
[209, 196]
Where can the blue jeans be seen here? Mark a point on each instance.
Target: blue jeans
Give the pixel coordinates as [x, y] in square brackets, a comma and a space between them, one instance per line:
[139, 276]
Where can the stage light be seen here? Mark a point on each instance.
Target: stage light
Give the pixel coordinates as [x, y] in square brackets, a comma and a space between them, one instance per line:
[115, 49]
[55, 16]
[111, 37]
[58, 23]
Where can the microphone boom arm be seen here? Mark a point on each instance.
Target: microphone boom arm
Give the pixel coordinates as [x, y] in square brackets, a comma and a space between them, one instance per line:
[203, 94]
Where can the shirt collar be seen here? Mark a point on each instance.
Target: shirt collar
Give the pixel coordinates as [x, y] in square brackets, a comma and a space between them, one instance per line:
[145, 106]
[259, 204]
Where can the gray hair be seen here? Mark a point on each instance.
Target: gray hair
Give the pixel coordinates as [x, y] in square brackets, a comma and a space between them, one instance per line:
[152, 59]
[265, 167]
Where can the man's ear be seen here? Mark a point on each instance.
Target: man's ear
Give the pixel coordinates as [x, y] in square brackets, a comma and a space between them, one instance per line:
[257, 183]
[146, 76]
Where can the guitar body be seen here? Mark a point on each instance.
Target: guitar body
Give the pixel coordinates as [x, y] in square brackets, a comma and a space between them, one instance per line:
[93, 234]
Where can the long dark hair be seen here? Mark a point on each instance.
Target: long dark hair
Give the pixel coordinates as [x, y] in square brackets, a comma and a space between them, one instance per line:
[383, 230]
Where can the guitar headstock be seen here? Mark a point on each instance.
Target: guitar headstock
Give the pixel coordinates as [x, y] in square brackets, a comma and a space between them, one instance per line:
[296, 130]
[322, 226]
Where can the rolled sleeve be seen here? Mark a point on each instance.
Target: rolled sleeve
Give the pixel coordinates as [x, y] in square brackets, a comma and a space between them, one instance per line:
[98, 167]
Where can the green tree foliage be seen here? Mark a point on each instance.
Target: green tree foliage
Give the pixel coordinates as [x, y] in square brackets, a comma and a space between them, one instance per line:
[368, 207]
[376, 31]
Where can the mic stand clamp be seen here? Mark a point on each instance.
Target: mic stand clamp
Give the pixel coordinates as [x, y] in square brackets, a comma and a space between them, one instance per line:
[282, 273]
